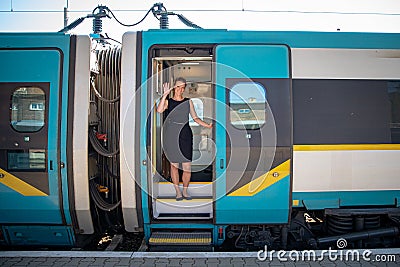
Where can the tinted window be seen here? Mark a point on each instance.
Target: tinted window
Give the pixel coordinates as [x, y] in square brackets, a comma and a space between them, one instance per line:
[26, 160]
[394, 97]
[341, 112]
[247, 102]
[28, 109]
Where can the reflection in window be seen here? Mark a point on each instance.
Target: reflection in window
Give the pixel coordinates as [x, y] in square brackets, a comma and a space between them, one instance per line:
[36, 106]
[393, 89]
[28, 109]
[247, 101]
[199, 108]
[26, 160]
[394, 97]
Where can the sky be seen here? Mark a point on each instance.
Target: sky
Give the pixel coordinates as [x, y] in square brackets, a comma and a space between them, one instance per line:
[271, 15]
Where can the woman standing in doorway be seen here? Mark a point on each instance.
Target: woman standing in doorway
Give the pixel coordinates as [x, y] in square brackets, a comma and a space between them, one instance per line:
[177, 135]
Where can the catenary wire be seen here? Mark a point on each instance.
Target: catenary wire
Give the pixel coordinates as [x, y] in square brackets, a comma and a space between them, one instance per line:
[130, 25]
[213, 10]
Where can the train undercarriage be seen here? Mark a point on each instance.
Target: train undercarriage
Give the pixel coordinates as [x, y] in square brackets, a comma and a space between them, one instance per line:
[334, 228]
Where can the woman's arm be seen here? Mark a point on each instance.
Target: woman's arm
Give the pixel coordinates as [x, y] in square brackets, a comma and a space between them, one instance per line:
[196, 118]
[163, 105]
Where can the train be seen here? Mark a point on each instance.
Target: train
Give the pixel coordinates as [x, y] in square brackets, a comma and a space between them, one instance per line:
[304, 151]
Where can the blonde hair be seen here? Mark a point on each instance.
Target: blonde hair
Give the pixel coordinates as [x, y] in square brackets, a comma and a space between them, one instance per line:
[180, 79]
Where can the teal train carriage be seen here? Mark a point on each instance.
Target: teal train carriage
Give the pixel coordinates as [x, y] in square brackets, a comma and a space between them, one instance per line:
[38, 202]
[304, 150]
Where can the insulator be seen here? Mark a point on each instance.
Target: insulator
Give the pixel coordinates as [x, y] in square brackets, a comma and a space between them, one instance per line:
[164, 24]
[97, 25]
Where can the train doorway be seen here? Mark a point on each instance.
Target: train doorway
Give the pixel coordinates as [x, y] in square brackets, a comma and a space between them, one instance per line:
[197, 70]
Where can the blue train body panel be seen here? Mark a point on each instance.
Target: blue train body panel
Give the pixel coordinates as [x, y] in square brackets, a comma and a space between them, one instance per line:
[39, 61]
[39, 235]
[335, 200]
[270, 206]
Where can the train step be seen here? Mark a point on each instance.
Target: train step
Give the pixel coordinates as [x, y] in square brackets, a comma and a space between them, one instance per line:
[166, 189]
[180, 238]
[196, 208]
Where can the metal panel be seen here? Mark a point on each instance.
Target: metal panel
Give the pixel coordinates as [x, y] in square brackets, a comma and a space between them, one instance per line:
[127, 140]
[346, 170]
[320, 63]
[80, 128]
[48, 235]
[336, 199]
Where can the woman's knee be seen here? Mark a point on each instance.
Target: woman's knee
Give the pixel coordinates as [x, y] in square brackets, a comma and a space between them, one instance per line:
[187, 166]
[174, 166]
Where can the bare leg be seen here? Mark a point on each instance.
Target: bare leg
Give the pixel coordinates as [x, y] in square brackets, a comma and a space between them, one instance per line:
[187, 172]
[175, 178]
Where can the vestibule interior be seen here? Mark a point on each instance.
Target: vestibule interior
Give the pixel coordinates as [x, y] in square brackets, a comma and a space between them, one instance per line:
[195, 65]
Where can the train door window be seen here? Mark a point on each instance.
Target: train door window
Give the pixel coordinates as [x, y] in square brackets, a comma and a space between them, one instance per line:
[247, 102]
[199, 108]
[27, 109]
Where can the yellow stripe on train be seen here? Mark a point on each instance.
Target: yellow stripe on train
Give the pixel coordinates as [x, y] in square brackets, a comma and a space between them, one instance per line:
[346, 147]
[260, 183]
[18, 185]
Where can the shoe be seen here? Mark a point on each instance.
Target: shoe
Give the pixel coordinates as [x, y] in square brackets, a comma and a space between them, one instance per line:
[179, 198]
[188, 198]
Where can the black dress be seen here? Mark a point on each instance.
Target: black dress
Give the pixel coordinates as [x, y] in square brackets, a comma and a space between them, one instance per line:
[177, 135]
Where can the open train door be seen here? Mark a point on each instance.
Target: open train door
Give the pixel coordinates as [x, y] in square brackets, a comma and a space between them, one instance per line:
[253, 134]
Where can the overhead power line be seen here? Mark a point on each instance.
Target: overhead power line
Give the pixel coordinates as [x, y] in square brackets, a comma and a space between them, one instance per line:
[214, 10]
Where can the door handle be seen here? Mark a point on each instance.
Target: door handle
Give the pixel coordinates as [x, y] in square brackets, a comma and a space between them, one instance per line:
[221, 163]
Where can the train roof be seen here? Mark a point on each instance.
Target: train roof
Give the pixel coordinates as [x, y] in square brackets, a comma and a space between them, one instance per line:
[296, 39]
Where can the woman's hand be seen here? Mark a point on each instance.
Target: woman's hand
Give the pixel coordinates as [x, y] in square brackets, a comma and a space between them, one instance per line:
[166, 89]
[163, 105]
[209, 125]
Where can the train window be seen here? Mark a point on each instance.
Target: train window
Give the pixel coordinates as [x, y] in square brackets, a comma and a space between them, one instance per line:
[247, 102]
[394, 97]
[26, 160]
[199, 108]
[342, 112]
[28, 109]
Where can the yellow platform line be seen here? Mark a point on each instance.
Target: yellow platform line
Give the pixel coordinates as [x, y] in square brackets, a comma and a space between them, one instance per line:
[18, 185]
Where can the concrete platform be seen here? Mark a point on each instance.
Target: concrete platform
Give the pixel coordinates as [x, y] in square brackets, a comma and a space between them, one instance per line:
[376, 257]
